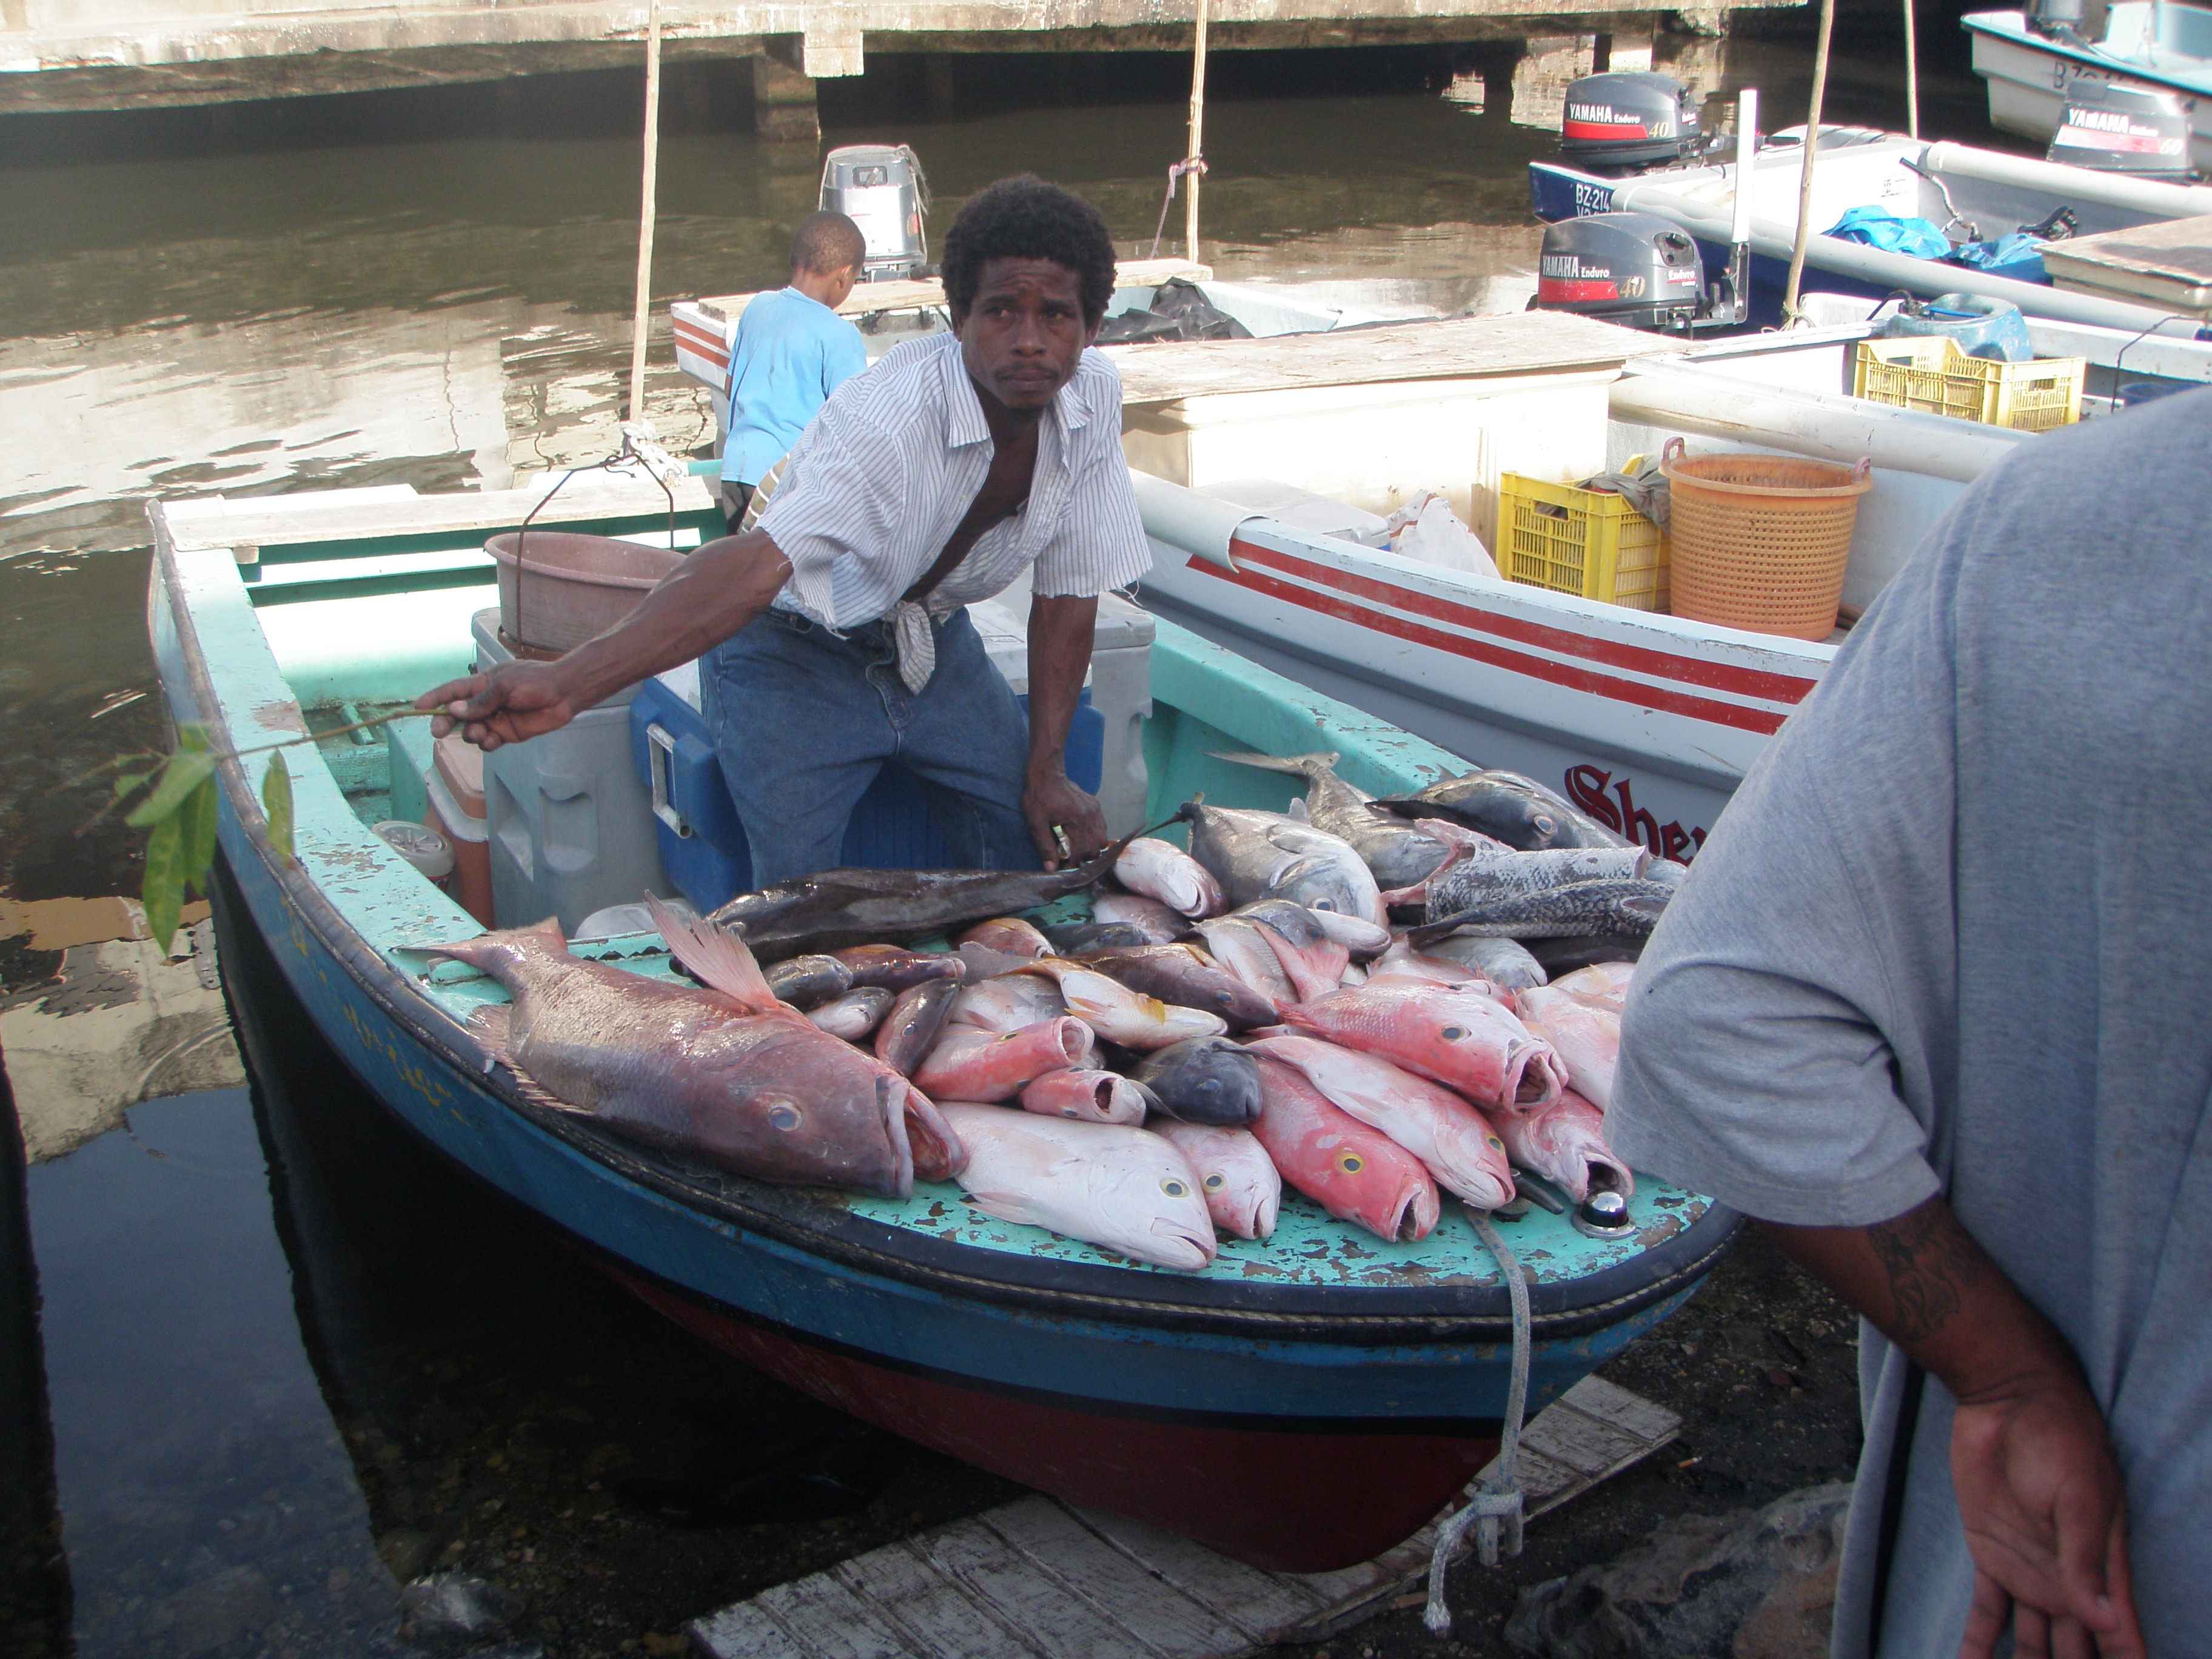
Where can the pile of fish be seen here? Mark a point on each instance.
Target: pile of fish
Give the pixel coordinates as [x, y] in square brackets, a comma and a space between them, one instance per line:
[1335, 997]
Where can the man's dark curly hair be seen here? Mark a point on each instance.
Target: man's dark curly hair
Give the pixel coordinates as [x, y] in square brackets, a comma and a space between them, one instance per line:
[1026, 218]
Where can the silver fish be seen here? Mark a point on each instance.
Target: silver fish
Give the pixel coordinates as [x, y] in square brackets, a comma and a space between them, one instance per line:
[855, 1014]
[726, 1074]
[1516, 809]
[1259, 856]
[1629, 908]
[1398, 851]
[1108, 1184]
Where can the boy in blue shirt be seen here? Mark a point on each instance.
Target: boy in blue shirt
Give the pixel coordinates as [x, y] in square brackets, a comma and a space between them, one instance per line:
[792, 351]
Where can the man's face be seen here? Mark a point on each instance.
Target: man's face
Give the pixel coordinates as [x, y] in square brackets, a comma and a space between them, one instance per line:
[1023, 336]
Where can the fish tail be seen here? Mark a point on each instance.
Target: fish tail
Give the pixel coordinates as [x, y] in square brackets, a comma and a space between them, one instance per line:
[718, 955]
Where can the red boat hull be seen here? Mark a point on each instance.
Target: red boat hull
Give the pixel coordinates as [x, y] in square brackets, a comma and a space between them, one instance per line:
[1291, 1500]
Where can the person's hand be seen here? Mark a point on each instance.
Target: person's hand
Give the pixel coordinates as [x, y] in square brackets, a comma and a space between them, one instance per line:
[2045, 1513]
[516, 700]
[1051, 801]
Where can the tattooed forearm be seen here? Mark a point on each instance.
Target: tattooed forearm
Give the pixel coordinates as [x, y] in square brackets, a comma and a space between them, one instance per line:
[1931, 1264]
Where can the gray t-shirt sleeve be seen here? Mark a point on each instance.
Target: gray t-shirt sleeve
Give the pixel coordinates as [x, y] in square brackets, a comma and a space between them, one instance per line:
[1787, 1025]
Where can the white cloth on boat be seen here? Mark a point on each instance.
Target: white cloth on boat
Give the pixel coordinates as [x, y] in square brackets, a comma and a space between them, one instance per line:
[1955, 934]
[873, 489]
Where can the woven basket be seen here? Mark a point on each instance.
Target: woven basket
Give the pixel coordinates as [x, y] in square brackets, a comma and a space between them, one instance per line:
[1760, 541]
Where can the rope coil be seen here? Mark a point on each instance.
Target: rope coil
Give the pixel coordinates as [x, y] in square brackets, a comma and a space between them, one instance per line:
[1493, 1509]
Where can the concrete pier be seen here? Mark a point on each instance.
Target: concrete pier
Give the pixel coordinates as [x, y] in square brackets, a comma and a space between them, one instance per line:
[57, 55]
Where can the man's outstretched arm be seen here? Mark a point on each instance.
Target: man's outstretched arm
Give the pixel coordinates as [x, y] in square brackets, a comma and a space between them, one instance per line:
[704, 601]
[2038, 1489]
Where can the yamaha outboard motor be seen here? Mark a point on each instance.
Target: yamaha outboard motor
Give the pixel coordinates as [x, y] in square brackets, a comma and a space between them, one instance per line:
[1633, 269]
[881, 189]
[1625, 122]
[2113, 127]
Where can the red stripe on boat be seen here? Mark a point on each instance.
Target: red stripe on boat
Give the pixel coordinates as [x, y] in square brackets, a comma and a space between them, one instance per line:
[1542, 668]
[1636, 659]
[1578, 287]
[1603, 130]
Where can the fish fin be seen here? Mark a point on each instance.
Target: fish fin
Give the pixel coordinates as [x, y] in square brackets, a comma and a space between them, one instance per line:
[984, 962]
[491, 1021]
[718, 957]
[549, 931]
[1006, 1207]
[1303, 765]
[1298, 809]
[538, 1095]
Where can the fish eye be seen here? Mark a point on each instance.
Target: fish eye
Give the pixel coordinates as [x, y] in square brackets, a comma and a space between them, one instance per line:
[1175, 1189]
[1323, 904]
[1214, 1183]
[783, 1115]
[1351, 1162]
[1496, 1144]
[1453, 1033]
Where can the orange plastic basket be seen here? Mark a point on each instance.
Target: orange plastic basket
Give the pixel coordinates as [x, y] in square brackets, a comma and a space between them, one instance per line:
[1760, 541]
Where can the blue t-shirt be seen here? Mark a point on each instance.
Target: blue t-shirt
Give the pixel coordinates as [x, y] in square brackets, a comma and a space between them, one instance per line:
[791, 353]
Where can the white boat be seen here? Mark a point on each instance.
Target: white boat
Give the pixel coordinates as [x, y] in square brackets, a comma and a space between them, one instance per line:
[1645, 721]
[889, 313]
[1973, 192]
[2164, 44]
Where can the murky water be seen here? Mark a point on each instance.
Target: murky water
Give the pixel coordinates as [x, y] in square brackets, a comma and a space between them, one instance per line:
[288, 1358]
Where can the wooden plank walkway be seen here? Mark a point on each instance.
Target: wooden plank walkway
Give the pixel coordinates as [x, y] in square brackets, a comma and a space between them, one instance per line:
[1037, 1579]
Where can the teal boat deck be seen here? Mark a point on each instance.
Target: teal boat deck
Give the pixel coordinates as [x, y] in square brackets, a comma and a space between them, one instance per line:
[318, 609]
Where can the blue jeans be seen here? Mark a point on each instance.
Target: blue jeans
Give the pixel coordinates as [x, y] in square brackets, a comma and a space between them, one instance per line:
[802, 721]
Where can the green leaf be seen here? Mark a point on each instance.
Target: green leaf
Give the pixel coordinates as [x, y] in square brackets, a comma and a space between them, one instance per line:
[187, 769]
[199, 819]
[164, 888]
[276, 800]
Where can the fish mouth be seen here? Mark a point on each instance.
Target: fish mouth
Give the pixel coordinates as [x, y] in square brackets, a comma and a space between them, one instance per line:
[1534, 1078]
[1196, 1253]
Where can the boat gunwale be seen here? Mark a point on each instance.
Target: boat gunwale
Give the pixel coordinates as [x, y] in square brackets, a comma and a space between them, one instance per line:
[802, 1220]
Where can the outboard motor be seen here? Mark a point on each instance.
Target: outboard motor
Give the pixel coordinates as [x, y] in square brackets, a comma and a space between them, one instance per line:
[1625, 122]
[881, 189]
[2113, 127]
[1633, 269]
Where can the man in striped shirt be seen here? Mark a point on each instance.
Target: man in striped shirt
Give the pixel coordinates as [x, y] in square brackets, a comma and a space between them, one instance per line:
[833, 637]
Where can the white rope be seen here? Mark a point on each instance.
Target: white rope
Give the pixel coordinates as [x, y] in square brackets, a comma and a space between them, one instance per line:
[1493, 1508]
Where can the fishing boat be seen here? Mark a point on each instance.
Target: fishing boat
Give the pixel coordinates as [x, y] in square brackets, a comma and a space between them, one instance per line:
[1971, 194]
[1644, 719]
[1301, 1404]
[2163, 45]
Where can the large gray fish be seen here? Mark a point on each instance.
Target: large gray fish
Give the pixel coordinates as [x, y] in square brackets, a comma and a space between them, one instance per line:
[836, 909]
[1256, 855]
[1398, 851]
[1630, 908]
[1478, 880]
[725, 1073]
[1517, 810]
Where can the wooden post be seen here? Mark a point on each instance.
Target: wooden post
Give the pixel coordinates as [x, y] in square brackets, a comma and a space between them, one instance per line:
[1197, 138]
[1789, 313]
[1911, 75]
[641, 319]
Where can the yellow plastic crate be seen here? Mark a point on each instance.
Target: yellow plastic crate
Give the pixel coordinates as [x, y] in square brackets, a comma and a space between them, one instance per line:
[1588, 542]
[1930, 372]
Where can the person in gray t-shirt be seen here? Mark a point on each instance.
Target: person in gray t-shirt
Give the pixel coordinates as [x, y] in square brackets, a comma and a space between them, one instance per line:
[1936, 1003]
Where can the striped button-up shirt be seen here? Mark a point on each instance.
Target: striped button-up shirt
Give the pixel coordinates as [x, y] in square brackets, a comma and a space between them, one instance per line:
[878, 483]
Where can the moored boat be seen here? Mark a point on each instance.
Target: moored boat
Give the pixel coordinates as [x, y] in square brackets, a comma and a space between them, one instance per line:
[2166, 47]
[1644, 719]
[1302, 1403]
[1970, 192]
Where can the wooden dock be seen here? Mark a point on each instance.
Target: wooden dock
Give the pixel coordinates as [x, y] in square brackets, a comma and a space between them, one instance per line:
[1037, 1579]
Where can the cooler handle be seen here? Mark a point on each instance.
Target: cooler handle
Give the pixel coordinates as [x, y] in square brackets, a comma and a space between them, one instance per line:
[661, 770]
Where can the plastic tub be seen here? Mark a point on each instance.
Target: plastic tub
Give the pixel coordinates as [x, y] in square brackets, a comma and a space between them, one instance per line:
[566, 587]
[423, 846]
[1760, 542]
